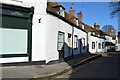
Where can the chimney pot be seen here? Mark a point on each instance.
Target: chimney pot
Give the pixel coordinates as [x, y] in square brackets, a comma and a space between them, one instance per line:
[71, 11]
[72, 6]
[79, 15]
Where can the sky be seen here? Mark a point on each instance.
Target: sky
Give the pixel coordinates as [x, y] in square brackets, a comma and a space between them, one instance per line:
[94, 12]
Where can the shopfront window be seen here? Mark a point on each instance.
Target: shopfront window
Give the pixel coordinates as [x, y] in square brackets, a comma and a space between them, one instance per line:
[14, 41]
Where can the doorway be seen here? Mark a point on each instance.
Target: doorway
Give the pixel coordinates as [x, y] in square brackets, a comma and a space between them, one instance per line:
[69, 44]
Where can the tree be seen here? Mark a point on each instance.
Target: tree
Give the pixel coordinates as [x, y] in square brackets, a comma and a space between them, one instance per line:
[115, 6]
[109, 29]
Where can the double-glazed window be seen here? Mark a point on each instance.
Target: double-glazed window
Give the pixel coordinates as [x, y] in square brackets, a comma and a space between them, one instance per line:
[75, 41]
[99, 46]
[60, 40]
[93, 45]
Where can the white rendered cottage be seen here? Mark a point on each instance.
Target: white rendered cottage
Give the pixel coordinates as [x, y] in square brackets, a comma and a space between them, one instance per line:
[44, 36]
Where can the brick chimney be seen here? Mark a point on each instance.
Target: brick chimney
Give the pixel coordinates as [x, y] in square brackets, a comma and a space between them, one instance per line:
[96, 26]
[79, 15]
[71, 11]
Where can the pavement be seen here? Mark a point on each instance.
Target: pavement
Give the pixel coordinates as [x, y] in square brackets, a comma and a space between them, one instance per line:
[45, 71]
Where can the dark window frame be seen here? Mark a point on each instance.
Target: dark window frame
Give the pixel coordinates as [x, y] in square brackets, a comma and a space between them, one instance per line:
[103, 45]
[93, 45]
[99, 45]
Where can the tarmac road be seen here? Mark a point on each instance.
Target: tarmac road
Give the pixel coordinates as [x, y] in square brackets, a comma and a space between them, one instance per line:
[107, 67]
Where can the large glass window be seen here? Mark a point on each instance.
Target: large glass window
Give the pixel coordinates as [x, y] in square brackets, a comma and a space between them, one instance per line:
[75, 41]
[14, 41]
[93, 45]
[60, 40]
[16, 31]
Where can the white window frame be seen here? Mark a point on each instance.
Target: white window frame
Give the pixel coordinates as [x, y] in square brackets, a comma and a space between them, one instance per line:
[59, 43]
[75, 41]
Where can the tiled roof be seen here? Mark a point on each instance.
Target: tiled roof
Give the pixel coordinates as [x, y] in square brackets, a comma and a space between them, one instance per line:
[52, 7]
[54, 4]
[88, 28]
[70, 18]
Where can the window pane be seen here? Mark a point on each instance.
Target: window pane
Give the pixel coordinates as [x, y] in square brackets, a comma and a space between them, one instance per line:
[93, 45]
[14, 41]
[75, 41]
[60, 41]
[60, 46]
[60, 38]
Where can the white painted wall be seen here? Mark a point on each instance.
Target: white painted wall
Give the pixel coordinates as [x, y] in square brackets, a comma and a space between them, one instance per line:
[81, 34]
[53, 26]
[14, 59]
[95, 39]
[23, 2]
[108, 38]
[118, 47]
[101, 41]
[38, 29]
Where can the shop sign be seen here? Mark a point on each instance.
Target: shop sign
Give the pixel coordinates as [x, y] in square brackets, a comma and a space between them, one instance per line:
[15, 13]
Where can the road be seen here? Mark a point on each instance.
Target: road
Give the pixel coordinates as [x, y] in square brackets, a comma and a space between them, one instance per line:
[103, 67]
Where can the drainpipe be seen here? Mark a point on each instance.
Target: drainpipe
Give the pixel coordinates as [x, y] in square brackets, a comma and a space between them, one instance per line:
[72, 40]
[96, 46]
[87, 43]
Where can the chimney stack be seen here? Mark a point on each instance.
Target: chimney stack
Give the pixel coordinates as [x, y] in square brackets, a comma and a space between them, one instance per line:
[96, 26]
[79, 15]
[72, 12]
[72, 6]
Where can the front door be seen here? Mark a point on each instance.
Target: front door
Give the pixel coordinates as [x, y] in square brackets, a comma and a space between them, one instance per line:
[69, 44]
[80, 46]
[60, 44]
